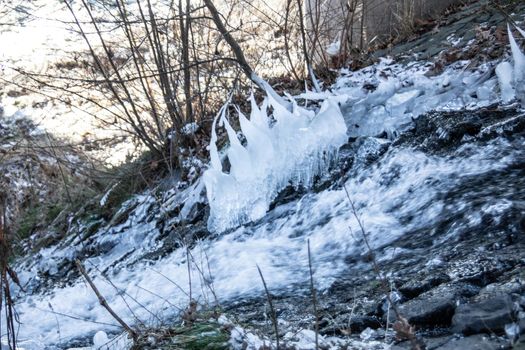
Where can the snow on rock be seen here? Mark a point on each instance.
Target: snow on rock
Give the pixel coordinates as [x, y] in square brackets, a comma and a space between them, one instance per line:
[100, 339]
[387, 96]
[285, 147]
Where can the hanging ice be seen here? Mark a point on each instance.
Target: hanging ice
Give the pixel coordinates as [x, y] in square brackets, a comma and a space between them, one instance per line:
[512, 78]
[504, 73]
[519, 67]
[288, 147]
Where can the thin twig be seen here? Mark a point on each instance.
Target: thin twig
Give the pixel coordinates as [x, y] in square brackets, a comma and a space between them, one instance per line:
[314, 297]
[402, 325]
[272, 309]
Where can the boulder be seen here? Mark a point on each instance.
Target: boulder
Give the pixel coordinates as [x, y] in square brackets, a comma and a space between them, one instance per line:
[436, 307]
[490, 315]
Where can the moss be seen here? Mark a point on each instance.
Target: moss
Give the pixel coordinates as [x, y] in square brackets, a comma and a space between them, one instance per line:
[204, 335]
[53, 211]
[28, 222]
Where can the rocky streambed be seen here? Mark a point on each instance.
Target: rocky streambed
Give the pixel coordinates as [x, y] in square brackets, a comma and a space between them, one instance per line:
[458, 278]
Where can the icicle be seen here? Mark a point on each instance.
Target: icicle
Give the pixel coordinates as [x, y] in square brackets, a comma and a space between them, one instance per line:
[271, 92]
[258, 116]
[519, 67]
[214, 153]
[241, 165]
[504, 73]
[315, 82]
[522, 32]
[295, 149]
[517, 56]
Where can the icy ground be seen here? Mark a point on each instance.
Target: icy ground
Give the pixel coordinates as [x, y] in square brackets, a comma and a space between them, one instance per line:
[403, 183]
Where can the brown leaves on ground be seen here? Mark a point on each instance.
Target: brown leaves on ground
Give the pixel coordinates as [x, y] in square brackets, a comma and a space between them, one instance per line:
[189, 315]
[403, 329]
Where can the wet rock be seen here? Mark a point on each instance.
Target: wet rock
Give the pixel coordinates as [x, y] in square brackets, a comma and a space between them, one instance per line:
[497, 289]
[123, 213]
[430, 343]
[287, 195]
[370, 149]
[197, 213]
[487, 316]
[478, 269]
[352, 325]
[416, 287]
[439, 132]
[436, 307]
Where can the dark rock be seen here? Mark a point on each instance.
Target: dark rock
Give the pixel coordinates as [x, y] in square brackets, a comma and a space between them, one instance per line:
[429, 312]
[197, 213]
[487, 316]
[478, 269]
[122, 214]
[441, 132]
[416, 287]
[355, 324]
[288, 194]
[360, 323]
[430, 343]
[436, 307]
[497, 289]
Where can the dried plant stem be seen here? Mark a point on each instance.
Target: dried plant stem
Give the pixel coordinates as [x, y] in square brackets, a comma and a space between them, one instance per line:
[104, 303]
[402, 326]
[7, 275]
[314, 297]
[272, 309]
[189, 271]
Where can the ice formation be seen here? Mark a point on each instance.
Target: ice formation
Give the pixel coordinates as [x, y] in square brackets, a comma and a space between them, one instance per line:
[284, 148]
[512, 78]
[504, 73]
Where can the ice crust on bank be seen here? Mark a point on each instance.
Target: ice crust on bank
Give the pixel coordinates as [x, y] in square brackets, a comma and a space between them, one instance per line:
[387, 96]
[283, 148]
